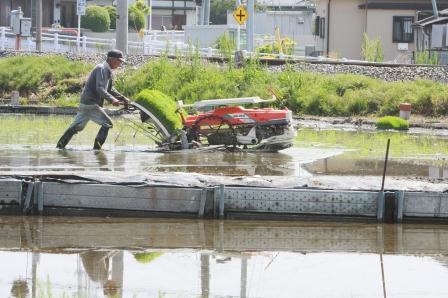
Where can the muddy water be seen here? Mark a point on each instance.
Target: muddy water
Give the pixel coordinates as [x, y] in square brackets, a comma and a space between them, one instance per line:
[103, 257]
[291, 162]
[45, 158]
[27, 145]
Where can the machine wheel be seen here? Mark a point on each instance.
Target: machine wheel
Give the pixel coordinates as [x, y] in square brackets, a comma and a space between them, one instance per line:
[143, 122]
[214, 130]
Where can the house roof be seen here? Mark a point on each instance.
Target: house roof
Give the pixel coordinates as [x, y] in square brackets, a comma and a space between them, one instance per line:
[403, 5]
[288, 5]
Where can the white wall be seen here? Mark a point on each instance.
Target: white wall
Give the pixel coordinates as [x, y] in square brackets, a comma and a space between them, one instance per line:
[204, 36]
[379, 24]
[289, 23]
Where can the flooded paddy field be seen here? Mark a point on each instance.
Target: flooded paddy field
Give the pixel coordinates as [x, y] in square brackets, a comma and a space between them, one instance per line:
[100, 257]
[142, 257]
[327, 157]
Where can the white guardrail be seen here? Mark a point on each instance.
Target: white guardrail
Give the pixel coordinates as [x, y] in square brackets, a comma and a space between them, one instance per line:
[154, 43]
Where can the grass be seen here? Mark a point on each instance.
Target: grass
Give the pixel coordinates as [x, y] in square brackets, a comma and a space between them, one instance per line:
[392, 122]
[57, 81]
[306, 93]
[48, 77]
[44, 130]
[373, 144]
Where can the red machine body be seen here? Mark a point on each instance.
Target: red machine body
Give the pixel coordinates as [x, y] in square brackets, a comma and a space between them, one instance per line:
[237, 115]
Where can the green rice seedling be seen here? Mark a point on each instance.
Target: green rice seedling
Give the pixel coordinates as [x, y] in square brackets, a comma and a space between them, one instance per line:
[392, 122]
[162, 106]
[372, 144]
[147, 257]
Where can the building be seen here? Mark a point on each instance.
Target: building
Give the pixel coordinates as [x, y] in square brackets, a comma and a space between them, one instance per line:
[168, 13]
[341, 24]
[29, 11]
[174, 14]
[293, 18]
[430, 35]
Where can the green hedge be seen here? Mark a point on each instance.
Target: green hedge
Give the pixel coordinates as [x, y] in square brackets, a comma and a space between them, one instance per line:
[136, 20]
[96, 18]
[112, 10]
[137, 15]
[162, 106]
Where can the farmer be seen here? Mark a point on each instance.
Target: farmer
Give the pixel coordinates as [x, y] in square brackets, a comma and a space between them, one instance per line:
[98, 87]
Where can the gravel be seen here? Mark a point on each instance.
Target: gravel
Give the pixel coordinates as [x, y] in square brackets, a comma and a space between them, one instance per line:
[386, 73]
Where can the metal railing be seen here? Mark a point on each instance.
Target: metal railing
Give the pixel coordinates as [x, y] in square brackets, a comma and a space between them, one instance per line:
[154, 43]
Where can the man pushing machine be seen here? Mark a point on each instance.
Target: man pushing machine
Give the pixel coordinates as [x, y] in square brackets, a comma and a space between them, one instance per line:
[97, 89]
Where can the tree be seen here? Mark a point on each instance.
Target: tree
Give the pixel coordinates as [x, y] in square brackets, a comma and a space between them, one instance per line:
[218, 10]
[137, 15]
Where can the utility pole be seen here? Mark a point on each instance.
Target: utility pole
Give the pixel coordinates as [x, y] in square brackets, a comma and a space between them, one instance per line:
[206, 16]
[122, 26]
[250, 25]
[238, 32]
[150, 15]
[39, 25]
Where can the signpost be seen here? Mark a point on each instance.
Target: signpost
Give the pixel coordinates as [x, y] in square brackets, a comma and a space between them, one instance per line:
[80, 11]
[240, 14]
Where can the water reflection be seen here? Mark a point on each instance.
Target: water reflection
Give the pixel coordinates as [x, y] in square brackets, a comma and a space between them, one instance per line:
[104, 257]
[344, 165]
[106, 269]
[227, 163]
[216, 163]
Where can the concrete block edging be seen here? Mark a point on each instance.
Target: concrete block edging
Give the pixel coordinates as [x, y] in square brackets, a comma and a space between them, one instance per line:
[35, 197]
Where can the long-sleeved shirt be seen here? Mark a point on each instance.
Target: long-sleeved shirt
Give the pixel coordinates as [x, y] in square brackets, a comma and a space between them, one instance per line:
[99, 86]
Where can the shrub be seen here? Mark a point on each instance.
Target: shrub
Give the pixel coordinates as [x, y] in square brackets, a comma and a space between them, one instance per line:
[137, 15]
[191, 79]
[426, 57]
[162, 106]
[29, 74]
[225, 45]
[285, 46]
[392, 122]
[136, 20]
[96, 18]
[424, 105]
[372, 49]
[112, 10]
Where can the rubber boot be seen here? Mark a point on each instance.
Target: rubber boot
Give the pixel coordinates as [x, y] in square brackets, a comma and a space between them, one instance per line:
[66, 137]
[100, 138]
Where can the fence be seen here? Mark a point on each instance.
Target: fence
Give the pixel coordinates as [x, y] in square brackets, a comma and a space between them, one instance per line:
[154, 43]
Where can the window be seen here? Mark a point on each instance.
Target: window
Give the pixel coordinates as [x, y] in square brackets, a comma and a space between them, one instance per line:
[316, 25]
[322, 28]
[319, 27]
[402, 29]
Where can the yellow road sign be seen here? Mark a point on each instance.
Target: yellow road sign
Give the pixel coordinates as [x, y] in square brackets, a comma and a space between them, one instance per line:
[240, 14]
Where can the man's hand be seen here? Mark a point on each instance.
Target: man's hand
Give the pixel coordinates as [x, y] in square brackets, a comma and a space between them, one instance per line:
[115, 102]
[123, 98]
